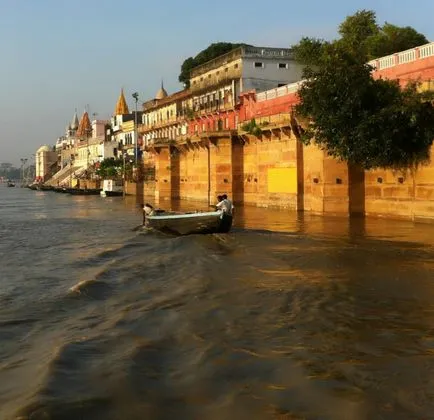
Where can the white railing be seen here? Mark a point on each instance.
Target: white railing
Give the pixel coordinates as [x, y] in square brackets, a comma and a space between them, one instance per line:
[403, 57]
[406, 56]
[386, 62]
[278, 92]
[426, 50]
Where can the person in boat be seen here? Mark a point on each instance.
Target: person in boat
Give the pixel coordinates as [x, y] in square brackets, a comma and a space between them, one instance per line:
[148, 210]
[224, 204]
[229, 204]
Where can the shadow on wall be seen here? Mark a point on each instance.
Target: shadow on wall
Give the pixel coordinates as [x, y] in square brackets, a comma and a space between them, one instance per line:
[175, 174]
[356, 190]
[238, 171]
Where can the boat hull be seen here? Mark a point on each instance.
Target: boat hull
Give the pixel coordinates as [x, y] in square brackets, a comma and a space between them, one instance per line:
[78, 191]
[190, 223]
[112, 193]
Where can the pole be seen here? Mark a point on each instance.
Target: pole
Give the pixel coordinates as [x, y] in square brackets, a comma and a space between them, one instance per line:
[23, 164]
[136, 98]
[123, 173]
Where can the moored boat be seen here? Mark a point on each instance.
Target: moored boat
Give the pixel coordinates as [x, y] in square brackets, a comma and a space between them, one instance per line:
[112, 188]
[189, 223]
[10, 183]
[79, 191]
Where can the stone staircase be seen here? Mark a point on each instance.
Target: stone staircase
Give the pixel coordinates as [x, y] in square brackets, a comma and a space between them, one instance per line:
[61, 176]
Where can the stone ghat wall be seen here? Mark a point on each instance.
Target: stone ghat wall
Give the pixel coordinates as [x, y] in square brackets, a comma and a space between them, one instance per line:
[276, 170]
[408, 195]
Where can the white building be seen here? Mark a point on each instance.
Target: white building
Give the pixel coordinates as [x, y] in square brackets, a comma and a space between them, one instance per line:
[45, 162]
[217, 84]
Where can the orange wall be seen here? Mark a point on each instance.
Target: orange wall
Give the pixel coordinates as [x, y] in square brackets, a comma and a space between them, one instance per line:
[401, 194]
[421, 69]
[193, 173]
[258, 158]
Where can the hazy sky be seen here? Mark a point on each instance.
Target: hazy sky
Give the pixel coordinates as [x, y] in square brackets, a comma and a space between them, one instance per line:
[58, 55]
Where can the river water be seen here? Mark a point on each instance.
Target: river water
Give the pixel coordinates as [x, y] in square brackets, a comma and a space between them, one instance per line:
[287, 317]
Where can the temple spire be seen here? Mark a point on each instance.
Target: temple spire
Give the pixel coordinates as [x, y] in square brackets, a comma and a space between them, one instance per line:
[74, 123]
[84, 127]
[161, 94]
[121, 106]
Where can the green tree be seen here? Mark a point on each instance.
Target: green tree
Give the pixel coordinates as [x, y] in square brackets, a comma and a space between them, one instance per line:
[355, 30]
[361, 36]
[212, 51]
[110, 168]
[372, 123]
[391, 39]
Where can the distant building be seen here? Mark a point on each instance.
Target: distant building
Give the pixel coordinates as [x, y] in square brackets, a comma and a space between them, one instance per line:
[121, 132]
[45, 162]
[217, 84]
[164, 116]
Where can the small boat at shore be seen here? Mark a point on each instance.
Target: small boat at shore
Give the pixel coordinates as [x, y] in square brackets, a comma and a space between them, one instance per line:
[10, 183]
[189, 223]
[87, 191]
[112, 188]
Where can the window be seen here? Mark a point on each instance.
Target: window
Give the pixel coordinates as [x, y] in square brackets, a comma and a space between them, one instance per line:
[226, 69]
[259, 64]
[283, 65]
[236, 66]
[209, 76]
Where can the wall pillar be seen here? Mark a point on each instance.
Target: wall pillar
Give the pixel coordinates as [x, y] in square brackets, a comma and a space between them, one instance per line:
[163, 175]
[220, 162]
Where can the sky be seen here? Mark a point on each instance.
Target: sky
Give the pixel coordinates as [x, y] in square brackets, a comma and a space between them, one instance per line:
[57, 56]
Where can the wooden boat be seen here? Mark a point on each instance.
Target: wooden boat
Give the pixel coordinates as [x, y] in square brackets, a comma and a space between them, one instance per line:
[112, 193]
[79, 191]
[189, 223]
[11, 183]
[112, 188]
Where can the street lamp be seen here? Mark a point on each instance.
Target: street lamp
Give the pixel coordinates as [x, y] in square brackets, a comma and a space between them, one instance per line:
[123, 173]
[136, 98]
[23, 163]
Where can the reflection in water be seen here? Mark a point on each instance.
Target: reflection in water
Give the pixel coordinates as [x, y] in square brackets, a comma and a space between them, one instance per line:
[290, 316]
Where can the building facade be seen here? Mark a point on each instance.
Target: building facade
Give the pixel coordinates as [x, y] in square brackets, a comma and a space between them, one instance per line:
[45, 163]
[273, 168]
[165, 117]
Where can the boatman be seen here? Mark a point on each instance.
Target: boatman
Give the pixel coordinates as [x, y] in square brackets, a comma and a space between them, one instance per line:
[225, 206]
[229, 204]
[148, 210]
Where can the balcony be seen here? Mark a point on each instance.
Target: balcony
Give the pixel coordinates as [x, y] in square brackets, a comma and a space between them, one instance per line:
[205, 109]
[143, 128]
[217, 62]
[208, 82]
[215, 134]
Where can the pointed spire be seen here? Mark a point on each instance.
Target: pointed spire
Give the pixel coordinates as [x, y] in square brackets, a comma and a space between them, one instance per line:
[121, 106]
[74, 123]
[84, 127]
[161, 94]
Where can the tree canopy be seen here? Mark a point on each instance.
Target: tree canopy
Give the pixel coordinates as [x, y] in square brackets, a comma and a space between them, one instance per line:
[372, 123]
[361, 35]
[212, 51]
[110, 168]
